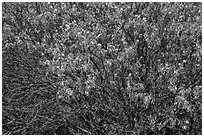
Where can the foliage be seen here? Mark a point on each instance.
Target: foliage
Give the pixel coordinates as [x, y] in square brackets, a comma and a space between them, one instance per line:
[101, 68]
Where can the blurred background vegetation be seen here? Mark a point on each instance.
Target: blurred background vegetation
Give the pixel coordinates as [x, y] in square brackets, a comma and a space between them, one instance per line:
[101, 68]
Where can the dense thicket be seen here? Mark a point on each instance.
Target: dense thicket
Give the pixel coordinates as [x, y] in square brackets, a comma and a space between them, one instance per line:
[101, 68]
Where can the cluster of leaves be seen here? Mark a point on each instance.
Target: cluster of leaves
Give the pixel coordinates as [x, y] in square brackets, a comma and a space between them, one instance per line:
[102, 68]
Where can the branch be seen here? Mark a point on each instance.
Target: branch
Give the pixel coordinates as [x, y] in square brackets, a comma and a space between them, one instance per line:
[93, 61]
